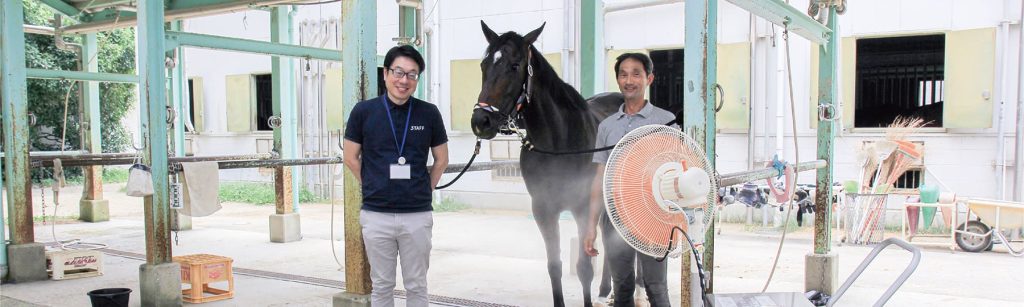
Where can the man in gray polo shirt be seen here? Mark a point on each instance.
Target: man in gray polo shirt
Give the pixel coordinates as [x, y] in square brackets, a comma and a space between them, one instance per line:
[634, 74]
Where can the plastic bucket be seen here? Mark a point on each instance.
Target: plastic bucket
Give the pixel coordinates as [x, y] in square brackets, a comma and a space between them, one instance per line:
[110, 297]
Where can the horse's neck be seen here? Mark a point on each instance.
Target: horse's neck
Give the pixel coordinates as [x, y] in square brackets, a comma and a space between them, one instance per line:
[556, 118]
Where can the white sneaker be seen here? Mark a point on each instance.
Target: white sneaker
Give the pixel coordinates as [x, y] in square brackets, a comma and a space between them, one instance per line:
[602, 302]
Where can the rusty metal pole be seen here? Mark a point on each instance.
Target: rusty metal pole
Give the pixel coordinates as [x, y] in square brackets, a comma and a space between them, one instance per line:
[15, 122]
[92, 207]
[154, 122]
[359, 82]
[700, 76]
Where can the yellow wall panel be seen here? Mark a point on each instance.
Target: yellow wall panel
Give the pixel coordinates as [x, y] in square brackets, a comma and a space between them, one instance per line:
[464, 88]
[848, 75]
[969, 78]
[734, 77]
[332, 99]
[239, 91]
[197, 103]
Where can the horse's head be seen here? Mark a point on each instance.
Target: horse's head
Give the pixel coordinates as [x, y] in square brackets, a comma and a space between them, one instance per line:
[506, 70]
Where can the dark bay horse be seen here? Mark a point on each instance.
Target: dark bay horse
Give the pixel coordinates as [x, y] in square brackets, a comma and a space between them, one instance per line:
[520, 89]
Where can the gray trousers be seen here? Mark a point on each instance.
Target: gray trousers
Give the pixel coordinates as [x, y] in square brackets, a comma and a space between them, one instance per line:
[392, 236]
[622, 258]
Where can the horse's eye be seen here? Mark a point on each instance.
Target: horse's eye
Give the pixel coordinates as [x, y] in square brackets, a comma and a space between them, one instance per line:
[515, 67]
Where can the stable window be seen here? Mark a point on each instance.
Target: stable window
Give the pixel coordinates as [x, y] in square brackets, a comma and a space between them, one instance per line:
[191, 101]
[264, 101]
[900, 77]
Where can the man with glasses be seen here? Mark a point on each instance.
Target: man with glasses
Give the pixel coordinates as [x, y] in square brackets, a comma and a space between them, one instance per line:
[386, 143]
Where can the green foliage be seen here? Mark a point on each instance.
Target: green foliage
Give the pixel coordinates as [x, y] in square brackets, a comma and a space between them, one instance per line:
[449, 204]
[256, 193]
[115, 175]
[46, 98]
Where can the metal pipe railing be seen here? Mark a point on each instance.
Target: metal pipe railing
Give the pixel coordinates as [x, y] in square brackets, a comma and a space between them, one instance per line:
[229, 161]
[765, 173]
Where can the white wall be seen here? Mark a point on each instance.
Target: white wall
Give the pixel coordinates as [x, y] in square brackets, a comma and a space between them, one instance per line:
[963, 160]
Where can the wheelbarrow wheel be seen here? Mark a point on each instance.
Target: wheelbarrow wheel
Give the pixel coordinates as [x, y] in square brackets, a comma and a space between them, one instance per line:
[971, 243]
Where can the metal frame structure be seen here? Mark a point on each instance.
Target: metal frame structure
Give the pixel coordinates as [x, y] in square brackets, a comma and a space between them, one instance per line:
[157, 41]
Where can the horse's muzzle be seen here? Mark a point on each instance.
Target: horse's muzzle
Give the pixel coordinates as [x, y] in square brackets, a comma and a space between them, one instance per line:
[485, 124]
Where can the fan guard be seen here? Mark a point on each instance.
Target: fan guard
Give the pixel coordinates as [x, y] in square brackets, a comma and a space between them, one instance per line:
[652, 173]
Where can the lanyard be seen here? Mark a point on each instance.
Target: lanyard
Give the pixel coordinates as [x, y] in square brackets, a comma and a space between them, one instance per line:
[405, 134]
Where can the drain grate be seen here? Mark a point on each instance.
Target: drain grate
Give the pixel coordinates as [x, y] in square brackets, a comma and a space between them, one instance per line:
[337, 284]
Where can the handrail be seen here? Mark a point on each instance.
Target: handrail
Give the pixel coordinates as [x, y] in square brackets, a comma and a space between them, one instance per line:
[870, 258]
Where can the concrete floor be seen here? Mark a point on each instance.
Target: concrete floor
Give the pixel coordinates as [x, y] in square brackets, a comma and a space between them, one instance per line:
[488, 256]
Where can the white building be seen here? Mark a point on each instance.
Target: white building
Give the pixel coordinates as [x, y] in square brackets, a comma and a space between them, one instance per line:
[955, 61]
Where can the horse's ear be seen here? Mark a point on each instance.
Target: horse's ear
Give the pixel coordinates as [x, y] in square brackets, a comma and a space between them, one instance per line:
[532, 36]
[488, 33]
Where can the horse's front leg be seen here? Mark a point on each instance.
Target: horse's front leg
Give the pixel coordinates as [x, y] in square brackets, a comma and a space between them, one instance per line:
[584, 264]
[547, 222]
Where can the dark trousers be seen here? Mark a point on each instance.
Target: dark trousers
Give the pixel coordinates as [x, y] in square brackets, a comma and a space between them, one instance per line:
[622, 259]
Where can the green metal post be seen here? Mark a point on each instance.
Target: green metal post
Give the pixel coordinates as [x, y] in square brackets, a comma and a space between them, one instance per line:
[700, 76]
[92, 207]
[177, 93]
[827, 74]
[284, 105]
[3, 227]
[15, 121]
[154, 122]
[359, 82]
[91, 96]
[591, 47]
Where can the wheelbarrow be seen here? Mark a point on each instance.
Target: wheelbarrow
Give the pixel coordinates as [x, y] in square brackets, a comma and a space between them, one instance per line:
[994, 218]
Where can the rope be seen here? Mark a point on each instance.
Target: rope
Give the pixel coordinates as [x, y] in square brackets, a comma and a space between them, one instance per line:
[796, 151]
[476, 152]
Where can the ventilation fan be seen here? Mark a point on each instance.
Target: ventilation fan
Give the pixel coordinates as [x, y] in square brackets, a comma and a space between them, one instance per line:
[653, 173]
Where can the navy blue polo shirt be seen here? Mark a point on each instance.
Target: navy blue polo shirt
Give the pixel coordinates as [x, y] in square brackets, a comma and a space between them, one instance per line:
[369, 126]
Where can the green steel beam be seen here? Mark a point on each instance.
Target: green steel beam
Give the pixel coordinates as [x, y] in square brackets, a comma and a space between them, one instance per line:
[63, 8]
[92, 136]
[177, 93]
[180, 9]
[36, 73]
[699, 77]
[591, 47]
[157, 213]
[359, 82]
[827, 88]
[94, 4]
[176, 39]
[14, 96]
[785, 15]
[284, 105]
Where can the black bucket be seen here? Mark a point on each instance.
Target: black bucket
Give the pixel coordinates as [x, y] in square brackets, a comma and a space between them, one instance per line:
[110, 297]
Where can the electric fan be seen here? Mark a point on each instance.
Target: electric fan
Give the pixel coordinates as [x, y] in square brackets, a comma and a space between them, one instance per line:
[652, 174]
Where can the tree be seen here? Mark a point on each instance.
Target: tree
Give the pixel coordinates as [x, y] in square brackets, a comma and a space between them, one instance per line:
[47, 97]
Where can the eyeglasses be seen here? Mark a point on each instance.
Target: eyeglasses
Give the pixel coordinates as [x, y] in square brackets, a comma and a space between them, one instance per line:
[400, 74]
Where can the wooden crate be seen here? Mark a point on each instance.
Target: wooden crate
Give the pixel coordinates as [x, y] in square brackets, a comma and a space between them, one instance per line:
[70, 264]
[199, 271]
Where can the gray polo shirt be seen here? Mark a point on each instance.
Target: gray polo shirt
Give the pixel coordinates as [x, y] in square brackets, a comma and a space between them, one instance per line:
[613, 128]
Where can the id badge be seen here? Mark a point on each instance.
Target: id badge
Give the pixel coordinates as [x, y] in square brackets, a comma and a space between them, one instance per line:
[400, 171]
